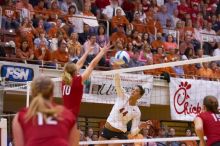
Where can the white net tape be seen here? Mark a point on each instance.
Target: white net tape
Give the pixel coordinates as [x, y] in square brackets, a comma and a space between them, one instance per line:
[139, 140]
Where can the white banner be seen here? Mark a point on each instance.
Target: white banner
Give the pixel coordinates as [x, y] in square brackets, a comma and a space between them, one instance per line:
[186, 97]
[102, 88]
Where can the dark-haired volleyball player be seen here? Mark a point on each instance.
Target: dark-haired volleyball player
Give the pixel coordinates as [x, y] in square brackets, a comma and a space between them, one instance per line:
[124, 110]
[207, 123]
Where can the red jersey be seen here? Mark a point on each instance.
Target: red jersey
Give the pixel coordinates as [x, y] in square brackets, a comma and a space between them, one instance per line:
[51, 132]
[72, 94]
[211, 126]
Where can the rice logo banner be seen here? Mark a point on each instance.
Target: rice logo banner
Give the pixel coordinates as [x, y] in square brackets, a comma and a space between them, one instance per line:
[102, 88]
[186, 97]
[17, 72]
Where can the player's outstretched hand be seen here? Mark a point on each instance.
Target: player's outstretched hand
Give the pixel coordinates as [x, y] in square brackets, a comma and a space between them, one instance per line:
[106, 47]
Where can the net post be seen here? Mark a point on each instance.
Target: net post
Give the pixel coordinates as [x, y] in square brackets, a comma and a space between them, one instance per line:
[28, 94]
[3, 126]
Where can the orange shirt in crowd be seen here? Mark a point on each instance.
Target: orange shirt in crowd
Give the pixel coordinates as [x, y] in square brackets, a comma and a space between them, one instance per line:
[156, 44]
[188, 30]
[52, 33]
[59, 56]
[138, 26]
[24, 54]
[41, 12]
[39, 56]
[205, 73]
[190, 143]
[152, 26]
[216, 74]
[138, 136]
[172, 57]
[55, 14]
[158, 58]
[21, 5]
[189, 70]
[119, 20]
[119, 35]
[169, 45]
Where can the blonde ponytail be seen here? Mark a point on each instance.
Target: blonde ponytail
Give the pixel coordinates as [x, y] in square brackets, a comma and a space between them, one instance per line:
[39, 104]
[67, 78]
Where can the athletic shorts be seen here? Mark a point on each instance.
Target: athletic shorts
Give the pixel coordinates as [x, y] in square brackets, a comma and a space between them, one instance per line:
[108, 134]
[216, 144]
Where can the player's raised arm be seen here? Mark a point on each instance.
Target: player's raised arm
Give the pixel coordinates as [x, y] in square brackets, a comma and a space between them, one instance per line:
[82, 59]
[117, 80]
[89, 69]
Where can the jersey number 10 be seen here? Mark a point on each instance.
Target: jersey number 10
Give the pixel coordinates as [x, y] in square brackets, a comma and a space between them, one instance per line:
[66, 89]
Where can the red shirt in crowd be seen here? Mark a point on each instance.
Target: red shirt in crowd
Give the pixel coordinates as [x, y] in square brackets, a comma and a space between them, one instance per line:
[101, 4]
[72, 94]
[211, 126]
[51, 132]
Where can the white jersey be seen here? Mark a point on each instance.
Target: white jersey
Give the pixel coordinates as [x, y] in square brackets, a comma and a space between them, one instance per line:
[122, 113]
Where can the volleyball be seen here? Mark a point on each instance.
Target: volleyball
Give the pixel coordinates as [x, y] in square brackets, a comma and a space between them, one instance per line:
[122, 56]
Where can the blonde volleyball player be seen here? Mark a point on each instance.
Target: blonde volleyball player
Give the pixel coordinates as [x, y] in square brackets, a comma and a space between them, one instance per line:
[124, 110]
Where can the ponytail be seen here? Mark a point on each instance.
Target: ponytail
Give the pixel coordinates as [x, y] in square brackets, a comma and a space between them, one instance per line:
[39, 104]
[67, 78]
[211, 104]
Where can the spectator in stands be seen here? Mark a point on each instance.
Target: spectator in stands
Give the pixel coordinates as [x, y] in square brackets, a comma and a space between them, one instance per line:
[91, 42]
[209, 47]
[10, 18]
[41, 12]
[138, 42]
[41, 38]
[74, 47]
[175, 17]
[169, 44]
[189, 142]
[208, 29]
[120, 34]
[183, 9]
[189, 30]
[187, 43]
[146, 133]
[173, 55]
[215, 24]
[73, 21]
[25, 51]
[110, 10]
[102, 37]
[83, 37]
[55, 12]
[119, 19]
[146, 38]
[101, 4]
[180, 27]
[141, 12]
[129, 49]
[216, 52]
[26, 29]
[204, 72]
[42, 52]
[145, 54]
[138, 25]
[89, 134]
[158, 42]
[87, 10]
[162, 134]
[25, 8]
[159, 56]
[216, 70]
[172, 133]
[163, 16]
[61, 55]
[57, 28]
[171, 6]
[153, 25]
[188, 54]
[128, 7]
[65, 4]
[134, 62]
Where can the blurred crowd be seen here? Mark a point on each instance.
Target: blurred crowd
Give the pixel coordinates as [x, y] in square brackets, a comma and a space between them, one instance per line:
[147, 133]
[151, 31]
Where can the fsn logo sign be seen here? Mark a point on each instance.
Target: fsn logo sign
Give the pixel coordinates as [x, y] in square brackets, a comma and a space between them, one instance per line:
[17, 73]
